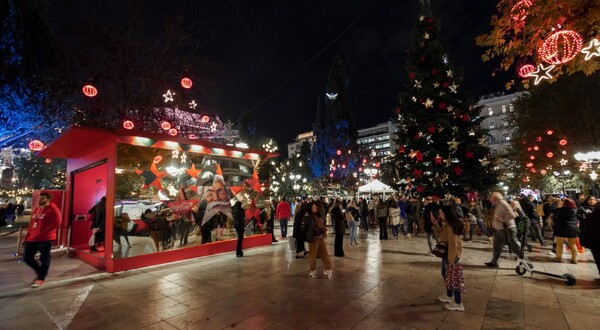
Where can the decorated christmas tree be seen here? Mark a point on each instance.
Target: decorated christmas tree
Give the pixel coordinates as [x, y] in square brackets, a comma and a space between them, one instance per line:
[441, 145]
[335, 152]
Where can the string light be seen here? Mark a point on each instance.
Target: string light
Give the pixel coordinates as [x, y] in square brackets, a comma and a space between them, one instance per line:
[526, 70]
[542, 73]
[593, 49]
[169, 96]
[89, 91]
[520, 10]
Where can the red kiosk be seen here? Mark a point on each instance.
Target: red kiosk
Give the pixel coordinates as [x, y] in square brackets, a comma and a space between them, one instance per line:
[188, 184]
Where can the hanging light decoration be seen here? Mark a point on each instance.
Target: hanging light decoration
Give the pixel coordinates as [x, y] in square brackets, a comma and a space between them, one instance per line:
[165, 125]
[128, 124]
[205, 119]
[563, 142]
[549, 132]
[173, 131]
[186, 83]
[520, 10]
[89, 91]
[526, 70]
[561, 47]
[36, 145]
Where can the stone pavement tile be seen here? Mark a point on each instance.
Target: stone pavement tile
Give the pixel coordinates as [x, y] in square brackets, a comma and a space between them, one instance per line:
[374, 323]
[340, 320]
[582, 321]
[200, 319]
[465, 319]
[544, 317]
[492, 323]
[162, 325]
[256, 321]
[170, 311]
[40, 321]
[506, 310]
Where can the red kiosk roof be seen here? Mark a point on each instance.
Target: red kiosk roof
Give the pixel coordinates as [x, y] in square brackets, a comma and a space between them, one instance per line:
[79, 140]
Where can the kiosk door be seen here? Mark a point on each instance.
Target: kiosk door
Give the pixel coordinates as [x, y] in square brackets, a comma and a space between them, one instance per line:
[89, 185]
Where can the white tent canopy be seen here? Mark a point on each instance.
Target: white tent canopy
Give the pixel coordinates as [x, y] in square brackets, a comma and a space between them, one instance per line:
[375, 186]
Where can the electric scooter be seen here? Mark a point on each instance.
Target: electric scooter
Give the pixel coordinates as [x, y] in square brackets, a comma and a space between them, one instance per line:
[525, 265]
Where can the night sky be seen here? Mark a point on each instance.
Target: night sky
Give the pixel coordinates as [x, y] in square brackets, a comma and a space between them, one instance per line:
[259, 45]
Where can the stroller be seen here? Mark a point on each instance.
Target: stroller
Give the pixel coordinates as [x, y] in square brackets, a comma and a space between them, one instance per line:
[525, 264]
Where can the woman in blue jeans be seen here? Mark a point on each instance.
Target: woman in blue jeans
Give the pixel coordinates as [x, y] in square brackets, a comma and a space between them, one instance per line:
[353, 215]
[450, 231]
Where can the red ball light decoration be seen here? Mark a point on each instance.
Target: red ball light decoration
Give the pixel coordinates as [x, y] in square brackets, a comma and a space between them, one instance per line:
[128, 124]
[48, 160]
[360, 169]
[529, 149]
[165, 125]
[536, 148]
[550, 154]
[520, 10]
[533, 170]
[344, 166]
[186, 83]
[561, 47]
[563, 142]
[192, 136]
[539, 139]
[36, 145]
[331, 175]
[339, 152]
[173, 132]
[549, 132]
[532, 157]
[205, 119]
[525, 70]
[529, 165]
[89, 91]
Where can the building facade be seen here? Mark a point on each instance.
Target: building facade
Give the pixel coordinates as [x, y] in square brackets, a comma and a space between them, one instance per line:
[496, 108]
[294, 147]
[378, 140]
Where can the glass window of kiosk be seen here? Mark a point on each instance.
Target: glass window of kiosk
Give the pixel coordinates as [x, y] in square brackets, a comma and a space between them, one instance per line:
[173, 199]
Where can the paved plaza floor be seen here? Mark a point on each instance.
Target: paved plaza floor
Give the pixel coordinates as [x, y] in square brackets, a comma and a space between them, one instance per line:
[389, 284]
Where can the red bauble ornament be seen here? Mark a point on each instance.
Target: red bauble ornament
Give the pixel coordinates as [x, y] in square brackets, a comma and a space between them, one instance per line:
[532, 157]
[89, 91]
[550, 154]
[529, 165]
[520, 10]
[563, 142]
[539, 139]
[173, 132]
[360, 169]
[186, 83]
[339, 152]
[344, 166]
[549, 132]
[536, 148]
[165, 125]
[525, 70]
[561, 47]
[331, 175]
[48, 160]
[128, 124]
[36, 145]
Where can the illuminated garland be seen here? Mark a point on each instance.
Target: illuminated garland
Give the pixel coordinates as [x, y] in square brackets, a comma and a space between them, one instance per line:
[561, 47]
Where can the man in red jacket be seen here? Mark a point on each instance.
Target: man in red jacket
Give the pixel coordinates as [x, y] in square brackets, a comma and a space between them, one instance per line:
[283, 213]
[44, 223]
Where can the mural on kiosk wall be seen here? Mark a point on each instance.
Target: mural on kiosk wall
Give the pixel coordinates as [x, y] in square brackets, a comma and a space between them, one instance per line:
[175, 198]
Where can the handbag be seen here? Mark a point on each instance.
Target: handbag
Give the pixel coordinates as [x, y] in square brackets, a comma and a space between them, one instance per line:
[455, 279]
[441, 250]
[292, 243]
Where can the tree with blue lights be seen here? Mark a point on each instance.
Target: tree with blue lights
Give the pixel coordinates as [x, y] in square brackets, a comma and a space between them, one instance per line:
[335, 152]
[34, 97]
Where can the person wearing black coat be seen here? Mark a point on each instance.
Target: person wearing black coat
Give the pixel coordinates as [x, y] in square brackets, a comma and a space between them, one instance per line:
[297, 232]
[239, 222]
[530, 210]
[337, 217]
[590, 233]
[565, 229]
[99, 222]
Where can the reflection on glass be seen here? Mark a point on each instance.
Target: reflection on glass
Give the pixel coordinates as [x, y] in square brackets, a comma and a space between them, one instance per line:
[169, 199]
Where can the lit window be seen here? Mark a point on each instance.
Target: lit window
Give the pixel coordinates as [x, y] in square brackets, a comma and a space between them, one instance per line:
[492, 125]
[503, 108]
[506, 138]
[490, 112]
[510, 107]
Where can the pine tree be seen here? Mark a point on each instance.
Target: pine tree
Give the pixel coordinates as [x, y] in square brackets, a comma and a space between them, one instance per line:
[441, 143]
[335, 152]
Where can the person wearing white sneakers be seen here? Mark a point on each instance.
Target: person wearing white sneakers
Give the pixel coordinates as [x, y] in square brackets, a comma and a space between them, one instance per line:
[450, 232]
[315, 231]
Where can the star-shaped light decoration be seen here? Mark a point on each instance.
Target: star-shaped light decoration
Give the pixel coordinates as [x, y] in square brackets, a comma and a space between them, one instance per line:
[428, 103]
[541, 73]
[417, 173]
[426, 35]
[436, 84]
[469, 154]
[583, 167]
[183, 157]
[254, 183]
[458, 170]
[173, 191]
[331, 96]
[192, 171]
[441, 129]
[453, 145]
[442, 93]
[592, 50]
[563, 162]
[169, 96]
[152, 177]
[445, 59]
[484, 161]
[442, 106]
[401, 149]
[193, 104]
[213, 126]
[417, 84]
[414, 99]
[438, 159]
[448, 161]
[449, 73]
[421, 18]
[453, 88]
[431, 129]
[419, 156]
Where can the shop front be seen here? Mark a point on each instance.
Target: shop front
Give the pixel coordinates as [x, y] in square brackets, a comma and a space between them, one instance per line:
[135, 199]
